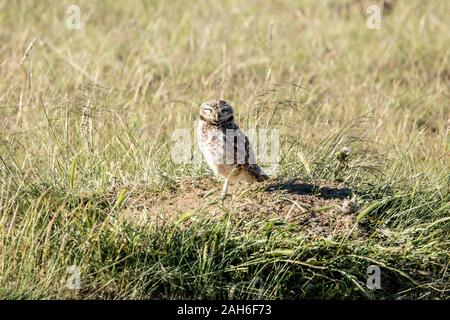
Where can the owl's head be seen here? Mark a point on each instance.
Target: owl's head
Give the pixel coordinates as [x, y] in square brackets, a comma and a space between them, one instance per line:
[216, 111]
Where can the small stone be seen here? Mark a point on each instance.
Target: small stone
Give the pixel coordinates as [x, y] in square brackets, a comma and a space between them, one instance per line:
[349, 206]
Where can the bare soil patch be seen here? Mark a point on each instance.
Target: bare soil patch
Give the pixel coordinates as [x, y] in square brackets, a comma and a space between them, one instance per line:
[313, 208]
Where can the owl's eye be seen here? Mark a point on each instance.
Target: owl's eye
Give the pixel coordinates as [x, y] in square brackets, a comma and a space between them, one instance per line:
[209, 110]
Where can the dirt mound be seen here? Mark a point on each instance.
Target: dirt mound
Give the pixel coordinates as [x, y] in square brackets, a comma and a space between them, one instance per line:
[313, 208]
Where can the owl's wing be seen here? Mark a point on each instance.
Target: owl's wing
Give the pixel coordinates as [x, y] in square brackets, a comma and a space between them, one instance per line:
[243, 154]
[238, 148]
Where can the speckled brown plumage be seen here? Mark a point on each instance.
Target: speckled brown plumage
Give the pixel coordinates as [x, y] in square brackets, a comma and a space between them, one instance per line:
[216, 132]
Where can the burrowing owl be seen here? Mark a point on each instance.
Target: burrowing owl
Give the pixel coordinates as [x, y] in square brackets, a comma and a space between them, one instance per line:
[225, 147]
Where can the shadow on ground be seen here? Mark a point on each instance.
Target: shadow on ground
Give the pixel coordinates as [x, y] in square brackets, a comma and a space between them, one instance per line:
[320, 191]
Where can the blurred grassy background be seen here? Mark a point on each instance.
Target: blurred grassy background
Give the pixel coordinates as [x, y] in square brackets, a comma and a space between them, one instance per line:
[154, 63]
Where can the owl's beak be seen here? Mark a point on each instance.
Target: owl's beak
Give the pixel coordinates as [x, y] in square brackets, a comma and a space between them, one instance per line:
[217, 117]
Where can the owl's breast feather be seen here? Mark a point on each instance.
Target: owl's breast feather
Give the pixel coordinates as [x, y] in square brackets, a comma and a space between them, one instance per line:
[211, 142]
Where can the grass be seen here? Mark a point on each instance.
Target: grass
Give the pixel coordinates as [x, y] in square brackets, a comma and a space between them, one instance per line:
[86, 176]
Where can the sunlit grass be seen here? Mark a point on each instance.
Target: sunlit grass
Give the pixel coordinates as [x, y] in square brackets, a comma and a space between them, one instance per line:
[87, 118]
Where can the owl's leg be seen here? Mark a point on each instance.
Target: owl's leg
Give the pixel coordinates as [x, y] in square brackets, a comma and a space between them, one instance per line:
[224, 189]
